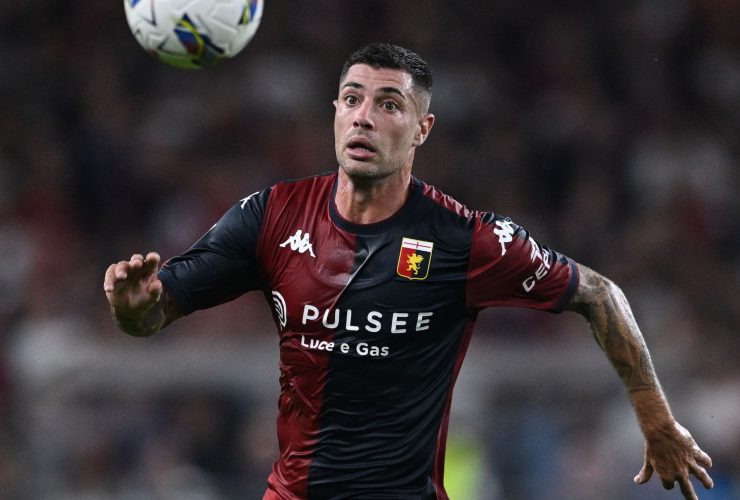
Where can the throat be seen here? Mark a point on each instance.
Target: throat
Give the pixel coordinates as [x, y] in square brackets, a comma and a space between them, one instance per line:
[370, 203]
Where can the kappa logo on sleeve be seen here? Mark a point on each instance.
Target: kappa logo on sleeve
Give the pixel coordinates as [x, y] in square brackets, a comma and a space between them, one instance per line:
[414, 259]
[299, 242]
[245, 200]
[505, 233]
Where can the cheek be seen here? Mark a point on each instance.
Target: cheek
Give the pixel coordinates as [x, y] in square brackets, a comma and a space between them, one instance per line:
[340, 116]
[338, 126]
[406, 137]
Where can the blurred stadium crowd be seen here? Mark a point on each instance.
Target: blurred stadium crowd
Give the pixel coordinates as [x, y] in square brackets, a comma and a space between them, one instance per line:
[609, 129]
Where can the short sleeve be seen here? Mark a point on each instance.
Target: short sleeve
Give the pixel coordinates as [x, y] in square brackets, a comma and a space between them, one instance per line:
[509, 268]
[222, 264]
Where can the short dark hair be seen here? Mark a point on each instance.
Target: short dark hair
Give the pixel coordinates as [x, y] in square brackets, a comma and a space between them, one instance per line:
[386, 55]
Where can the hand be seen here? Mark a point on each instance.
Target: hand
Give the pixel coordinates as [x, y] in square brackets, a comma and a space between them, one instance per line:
[674, 455]
[132, 286]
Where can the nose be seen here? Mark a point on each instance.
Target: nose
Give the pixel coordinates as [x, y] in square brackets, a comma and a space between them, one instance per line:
[363, 116]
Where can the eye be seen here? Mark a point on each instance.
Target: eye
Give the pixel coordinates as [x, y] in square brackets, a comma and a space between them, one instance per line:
[390, 106]
[351, 100]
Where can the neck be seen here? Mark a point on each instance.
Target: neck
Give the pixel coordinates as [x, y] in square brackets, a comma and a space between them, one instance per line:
[367, 201]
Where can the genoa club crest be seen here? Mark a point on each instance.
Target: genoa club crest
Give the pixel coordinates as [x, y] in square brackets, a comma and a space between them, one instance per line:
[414, 259]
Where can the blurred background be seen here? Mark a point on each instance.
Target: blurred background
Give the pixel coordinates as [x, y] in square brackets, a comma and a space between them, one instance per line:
[608, 129]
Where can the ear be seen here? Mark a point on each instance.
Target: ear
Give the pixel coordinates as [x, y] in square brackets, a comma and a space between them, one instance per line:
[426, 122]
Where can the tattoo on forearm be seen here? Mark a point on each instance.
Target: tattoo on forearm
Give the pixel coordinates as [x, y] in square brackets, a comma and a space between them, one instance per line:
[615, 330]
[142, 326]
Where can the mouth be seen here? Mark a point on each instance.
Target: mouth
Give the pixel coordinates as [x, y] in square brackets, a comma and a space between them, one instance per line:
[360, 147]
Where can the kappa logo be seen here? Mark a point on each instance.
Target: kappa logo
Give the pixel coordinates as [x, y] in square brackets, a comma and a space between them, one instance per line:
[245, 200]
[505, 233]
[300, 243]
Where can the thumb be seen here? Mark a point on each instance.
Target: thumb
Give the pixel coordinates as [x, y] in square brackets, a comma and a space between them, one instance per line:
[155, 289]
[645, 473]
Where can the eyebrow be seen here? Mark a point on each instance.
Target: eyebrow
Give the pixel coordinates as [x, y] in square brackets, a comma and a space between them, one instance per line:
[385, 90]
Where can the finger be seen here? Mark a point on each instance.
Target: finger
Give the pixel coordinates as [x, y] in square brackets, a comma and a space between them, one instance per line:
[115, 281]
[701, 474]
[136, 261]
[141, 267]
[152, 261]
[109, 279]
[121, 270]
[687, 488]
[155, 289]
[703, 459]
[645, 473]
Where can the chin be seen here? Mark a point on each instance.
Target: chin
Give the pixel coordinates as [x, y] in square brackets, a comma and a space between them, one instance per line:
[361, 170]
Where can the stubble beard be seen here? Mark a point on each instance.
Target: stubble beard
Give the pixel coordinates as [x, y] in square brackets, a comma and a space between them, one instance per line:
[366, 174]
[366, 171]
[361, 170]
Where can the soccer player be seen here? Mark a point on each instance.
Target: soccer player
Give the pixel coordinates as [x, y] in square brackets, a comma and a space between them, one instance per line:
[375, 280]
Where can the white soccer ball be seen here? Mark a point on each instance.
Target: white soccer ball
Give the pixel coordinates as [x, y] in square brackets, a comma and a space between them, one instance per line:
[193, 33]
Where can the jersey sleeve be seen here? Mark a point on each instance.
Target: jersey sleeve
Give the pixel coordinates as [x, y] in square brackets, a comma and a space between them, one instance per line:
[509, 268]
[222, 264]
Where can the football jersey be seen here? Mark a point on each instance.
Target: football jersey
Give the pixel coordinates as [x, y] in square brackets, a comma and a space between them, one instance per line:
[373, 321]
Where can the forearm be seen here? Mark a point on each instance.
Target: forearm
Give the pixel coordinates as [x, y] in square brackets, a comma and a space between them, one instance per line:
[614, 327]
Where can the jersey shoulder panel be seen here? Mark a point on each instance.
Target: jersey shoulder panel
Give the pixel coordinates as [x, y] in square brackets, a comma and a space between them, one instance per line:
[452, 220]
[300, 194]
[449, 225]
[444, 201]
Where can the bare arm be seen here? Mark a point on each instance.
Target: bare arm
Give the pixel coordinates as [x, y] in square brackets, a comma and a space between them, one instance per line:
[669, 448]
[139, 304]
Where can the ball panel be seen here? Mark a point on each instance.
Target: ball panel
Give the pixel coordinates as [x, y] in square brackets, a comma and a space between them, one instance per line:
[193, 33]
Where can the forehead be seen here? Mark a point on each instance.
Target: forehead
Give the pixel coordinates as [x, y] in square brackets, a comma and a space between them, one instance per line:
[378, 79]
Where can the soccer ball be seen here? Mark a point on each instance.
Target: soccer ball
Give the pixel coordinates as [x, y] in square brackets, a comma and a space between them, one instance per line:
[193, 33]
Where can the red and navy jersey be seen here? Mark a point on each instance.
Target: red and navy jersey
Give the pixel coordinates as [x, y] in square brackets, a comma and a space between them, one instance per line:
[373, 321]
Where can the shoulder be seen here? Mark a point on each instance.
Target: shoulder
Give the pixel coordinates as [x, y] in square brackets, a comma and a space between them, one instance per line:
[283, 193]
[442, 200]
[455, 209]
[484, 227]
[311, 185]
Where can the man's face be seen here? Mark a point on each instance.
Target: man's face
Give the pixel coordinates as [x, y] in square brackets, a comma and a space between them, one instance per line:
[378, 121]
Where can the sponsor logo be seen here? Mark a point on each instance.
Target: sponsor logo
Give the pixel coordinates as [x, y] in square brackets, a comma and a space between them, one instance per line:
[361, 348]
[395, 323]
[347, 320]
[299, 242]
[544, 256]
[281, 310]
[505, 233]
[414, 259]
